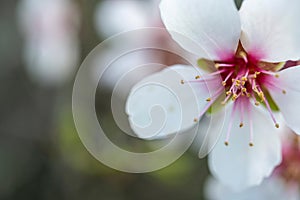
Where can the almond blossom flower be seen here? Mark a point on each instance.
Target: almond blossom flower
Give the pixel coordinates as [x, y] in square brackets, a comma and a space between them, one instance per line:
[283, 184]
[241, 59]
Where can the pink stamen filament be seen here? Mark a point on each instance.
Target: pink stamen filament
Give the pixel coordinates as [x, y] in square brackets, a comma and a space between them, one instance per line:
[242, 114]
[269, 108]
[251, 126]
[230, 125]
[228, 76]
[224, 65]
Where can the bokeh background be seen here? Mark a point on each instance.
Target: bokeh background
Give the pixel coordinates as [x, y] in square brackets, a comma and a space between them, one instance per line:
[42, 44]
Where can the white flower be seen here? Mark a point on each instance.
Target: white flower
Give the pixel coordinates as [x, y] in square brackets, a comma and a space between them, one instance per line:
[249, 48]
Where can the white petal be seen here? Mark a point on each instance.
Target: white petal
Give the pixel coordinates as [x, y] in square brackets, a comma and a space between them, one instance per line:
[238, 165]
[216, 191]
[289, 103]
[271, 29]
[208, 28]
[160, 105]
[209, 131]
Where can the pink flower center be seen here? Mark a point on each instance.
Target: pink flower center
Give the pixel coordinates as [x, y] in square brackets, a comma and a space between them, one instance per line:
[244, 79]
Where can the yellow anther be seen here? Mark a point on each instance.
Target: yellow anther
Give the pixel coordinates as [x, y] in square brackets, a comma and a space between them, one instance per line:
[232, 80]
[226, 143]
[234, 97]
[228, 93]
[243, 82]
[261, 95]
[244, 78]
[241, 124]
[277, 125]
[248, 95]
[277, 75]
[256, 73]
[217, 65]
[197, 77]
[251, 144]
[238, 81]
[195, 120]
[283, 91]
[257, 103]
[223, 83]
[182, 81]
[208, 99]
[244, 90]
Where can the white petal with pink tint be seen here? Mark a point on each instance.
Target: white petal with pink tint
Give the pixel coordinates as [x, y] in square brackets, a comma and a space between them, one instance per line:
[289, 103]
[271, 188]
[160, 105]
[240, 166]
[208, 28]
[270, 29]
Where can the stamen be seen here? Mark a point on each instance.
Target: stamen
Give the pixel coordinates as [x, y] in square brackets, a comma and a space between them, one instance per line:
[198, 81]
[271, 113]
[213, 98]
[254, 98]
[251, 127]
[283, 91]
[226, 99]
[242, 114]
[255, 74]
[216, 94]
[230, 125]
[228, 76]
[217, 72]
[269, 73]
[218, 65]
[197, 77]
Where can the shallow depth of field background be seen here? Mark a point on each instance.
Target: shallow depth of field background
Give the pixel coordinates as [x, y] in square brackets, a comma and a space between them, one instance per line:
[41, 156]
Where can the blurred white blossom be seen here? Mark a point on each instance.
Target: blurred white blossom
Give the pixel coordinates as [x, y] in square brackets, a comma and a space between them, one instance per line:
[50, 30]
[115, 16]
